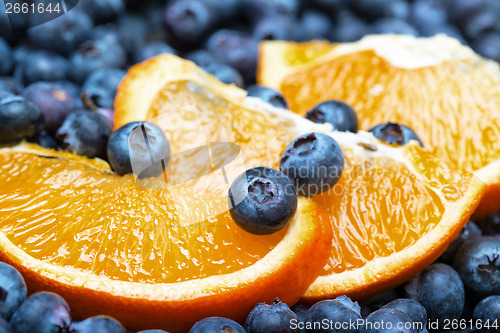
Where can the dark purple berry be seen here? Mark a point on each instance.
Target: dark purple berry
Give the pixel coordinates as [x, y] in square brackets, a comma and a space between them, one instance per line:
[395, 133]
[268, 95]
[337, 113]
[271, 318]
[262, 200]
[84, 133]
[314, 162]
[42, 312]
[217, 324]
[388, 320]
[101, 324]
[413, 309]
[19, 119]
[341, 312]
[131, 147]
[13, 290]
[487, 312]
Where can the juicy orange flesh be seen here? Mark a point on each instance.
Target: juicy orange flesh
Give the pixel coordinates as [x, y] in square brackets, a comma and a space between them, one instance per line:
[459, 96]
[72, 215]
[377, 208]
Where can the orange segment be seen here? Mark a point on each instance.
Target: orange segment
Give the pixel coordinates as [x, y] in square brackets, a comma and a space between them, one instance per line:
[439, 88]
[386, 205]
[142, 255]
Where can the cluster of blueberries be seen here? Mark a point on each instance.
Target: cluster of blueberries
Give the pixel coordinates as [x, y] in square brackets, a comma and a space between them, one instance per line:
[458, 293]
[58, 82]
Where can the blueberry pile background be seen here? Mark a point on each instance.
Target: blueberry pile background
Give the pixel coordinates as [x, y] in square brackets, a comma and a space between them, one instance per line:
[58, 82]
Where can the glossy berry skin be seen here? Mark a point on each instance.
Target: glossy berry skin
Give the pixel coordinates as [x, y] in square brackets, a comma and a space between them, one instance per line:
[13, 290]
[314, 162]
[152, 49]
[488, 309]
[43, 66]
[119, 155]
[266, 318]
[268, 95]
[237, 49]
[7, 57]
[394, 322]
[102, 11]
[84, 133]
[427, 289]
[413, 309]
[394, 133]
[478, 263]
[217, 324]
[56, 100]
[99, 90]
[189, 21]
[101, 324]
[262, 200]
[469, 231]
[42, 312]
[225, 74]
[96, 54]
[19, 119]
[62, 34]
[337, 113]
[331, 310]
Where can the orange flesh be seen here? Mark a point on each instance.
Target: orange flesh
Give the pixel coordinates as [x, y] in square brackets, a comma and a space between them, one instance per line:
[459, 96]
[72, 215]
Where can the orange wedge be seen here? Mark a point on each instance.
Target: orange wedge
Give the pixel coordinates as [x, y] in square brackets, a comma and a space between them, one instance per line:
[393, 211]
[441, 89]
[142, 255]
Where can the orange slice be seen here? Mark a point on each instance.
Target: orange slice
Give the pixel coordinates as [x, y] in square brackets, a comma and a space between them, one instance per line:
[441, 89]
[393, 211]
[109, 246]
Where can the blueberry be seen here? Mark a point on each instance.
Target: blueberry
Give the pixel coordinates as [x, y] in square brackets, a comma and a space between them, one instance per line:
[440, 302]
[99, 90]
[277, 27]
[19, 119]
[376, 302]
[10, 85]
[389, 25]
[153, 331]
[337, 113]
[477, 262]
[225, 10]
[490, 225]
[469, 231]
[262, 200]
[96, 54]
[488, 45]
[428, 13]
[330, 7]
[62, 34]
[388, 320]
[268, 95]
[102, 11]
[371, 9]
[486, 21]
[108, 114]
[395, 133]
[225, 74]
[447, 29]
[488, 311]
[331, 311]
[237, 49]
[314, 162]
[131, 135]
[189, 21]
[399, 9]
[101, 324]
[300, 310]
[56, 100]
[203, 58]
[85, 133]
[313, 24]
[43, 66]
[7, 57]
[266, 318]
[217, 324]
[46, 140]
[128, 39]
[4, 326]
[152, 49]
[13, 291]
[413, 309]
[349, 28]
[255, 10]
[42, 312]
